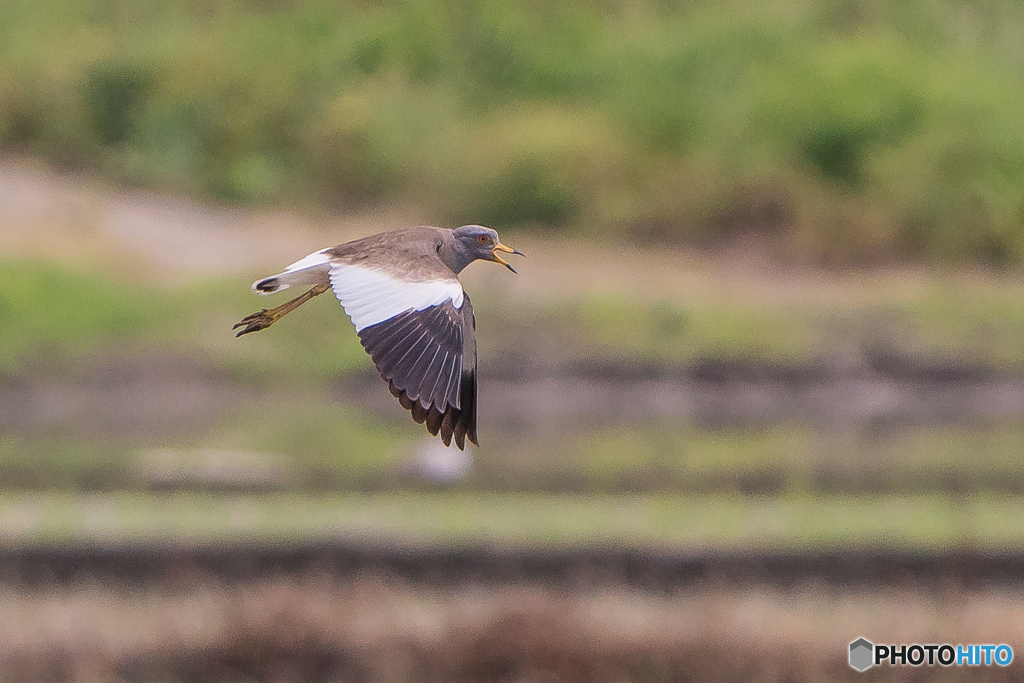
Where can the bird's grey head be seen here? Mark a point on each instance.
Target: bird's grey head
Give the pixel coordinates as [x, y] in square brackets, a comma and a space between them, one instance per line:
[474, 242]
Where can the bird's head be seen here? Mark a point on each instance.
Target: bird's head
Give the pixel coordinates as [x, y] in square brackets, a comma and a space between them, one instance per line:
[479, 242]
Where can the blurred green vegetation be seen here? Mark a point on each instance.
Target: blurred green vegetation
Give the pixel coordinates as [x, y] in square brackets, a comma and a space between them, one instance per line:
[348, 449]
[55, 316]
[50, 315]
[850, 131]
[914, 523]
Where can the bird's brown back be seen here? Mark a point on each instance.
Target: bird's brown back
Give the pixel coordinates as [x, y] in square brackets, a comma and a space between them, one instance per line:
[408, 253]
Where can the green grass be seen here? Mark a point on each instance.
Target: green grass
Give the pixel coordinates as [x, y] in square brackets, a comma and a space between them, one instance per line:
[325, 443]
[48, 459]
[602, 328]
[778, 459]
[316, 444]
[688, 523]
[313, 345]
[49, 313]
[854, 132]
[939, 318]
[56, 316]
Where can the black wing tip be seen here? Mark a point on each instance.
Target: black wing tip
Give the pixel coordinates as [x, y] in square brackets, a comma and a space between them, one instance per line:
[450, 425]
[467, 398]
[406, 350]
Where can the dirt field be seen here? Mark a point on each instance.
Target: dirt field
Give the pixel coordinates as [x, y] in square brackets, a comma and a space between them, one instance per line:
[375, 626]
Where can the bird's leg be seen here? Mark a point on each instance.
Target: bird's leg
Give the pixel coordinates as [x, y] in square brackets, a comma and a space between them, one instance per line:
[263, 319]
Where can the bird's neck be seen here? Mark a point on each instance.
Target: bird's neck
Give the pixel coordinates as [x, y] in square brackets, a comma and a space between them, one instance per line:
[456, 256]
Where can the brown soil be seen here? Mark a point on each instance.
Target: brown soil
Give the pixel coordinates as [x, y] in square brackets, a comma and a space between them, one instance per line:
[373, 627]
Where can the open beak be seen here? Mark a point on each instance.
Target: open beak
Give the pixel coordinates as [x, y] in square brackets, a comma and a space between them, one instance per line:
[508, 250]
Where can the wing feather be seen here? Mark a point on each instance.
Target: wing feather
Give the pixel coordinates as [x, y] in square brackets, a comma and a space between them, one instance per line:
[421, 337]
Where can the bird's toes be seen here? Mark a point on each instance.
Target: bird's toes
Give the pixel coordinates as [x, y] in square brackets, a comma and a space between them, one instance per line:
[253, 323]
[262, 313]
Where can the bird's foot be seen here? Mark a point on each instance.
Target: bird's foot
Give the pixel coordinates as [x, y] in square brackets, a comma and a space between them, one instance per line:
[260, 320]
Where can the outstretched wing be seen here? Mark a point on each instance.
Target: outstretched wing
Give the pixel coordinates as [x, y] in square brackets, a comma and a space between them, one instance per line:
[421, 337]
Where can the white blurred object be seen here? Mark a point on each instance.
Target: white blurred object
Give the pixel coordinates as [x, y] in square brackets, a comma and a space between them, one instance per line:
[434, 462]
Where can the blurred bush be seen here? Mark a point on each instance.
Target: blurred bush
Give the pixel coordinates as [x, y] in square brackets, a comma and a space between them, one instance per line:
[847, 132]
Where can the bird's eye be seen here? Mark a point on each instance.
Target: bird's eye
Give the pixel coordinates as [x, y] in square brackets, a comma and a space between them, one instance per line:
[483, 239]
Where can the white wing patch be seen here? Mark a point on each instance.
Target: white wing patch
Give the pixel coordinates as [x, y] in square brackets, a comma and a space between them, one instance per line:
[371, 297]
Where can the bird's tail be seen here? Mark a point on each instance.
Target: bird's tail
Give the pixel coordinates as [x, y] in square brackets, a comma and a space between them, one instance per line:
[312, 270]
[269, 285]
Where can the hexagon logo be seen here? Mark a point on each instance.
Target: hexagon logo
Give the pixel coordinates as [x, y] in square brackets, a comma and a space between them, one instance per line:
[861, 654]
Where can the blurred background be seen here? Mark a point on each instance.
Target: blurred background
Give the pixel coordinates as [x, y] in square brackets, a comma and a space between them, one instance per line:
[757, 391]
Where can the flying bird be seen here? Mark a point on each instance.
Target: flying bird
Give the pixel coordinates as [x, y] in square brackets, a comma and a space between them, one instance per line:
[401, 290]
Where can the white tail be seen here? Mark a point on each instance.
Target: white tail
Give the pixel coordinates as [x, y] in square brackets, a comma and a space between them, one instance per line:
[311, 270]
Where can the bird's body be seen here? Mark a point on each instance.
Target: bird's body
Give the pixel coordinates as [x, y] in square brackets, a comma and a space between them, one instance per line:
[401, 290]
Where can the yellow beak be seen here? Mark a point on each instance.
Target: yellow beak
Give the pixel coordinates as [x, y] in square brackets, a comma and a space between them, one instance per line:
[508, 250]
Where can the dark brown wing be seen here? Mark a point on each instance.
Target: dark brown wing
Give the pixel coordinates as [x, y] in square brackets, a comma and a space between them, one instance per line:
[428, 359]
